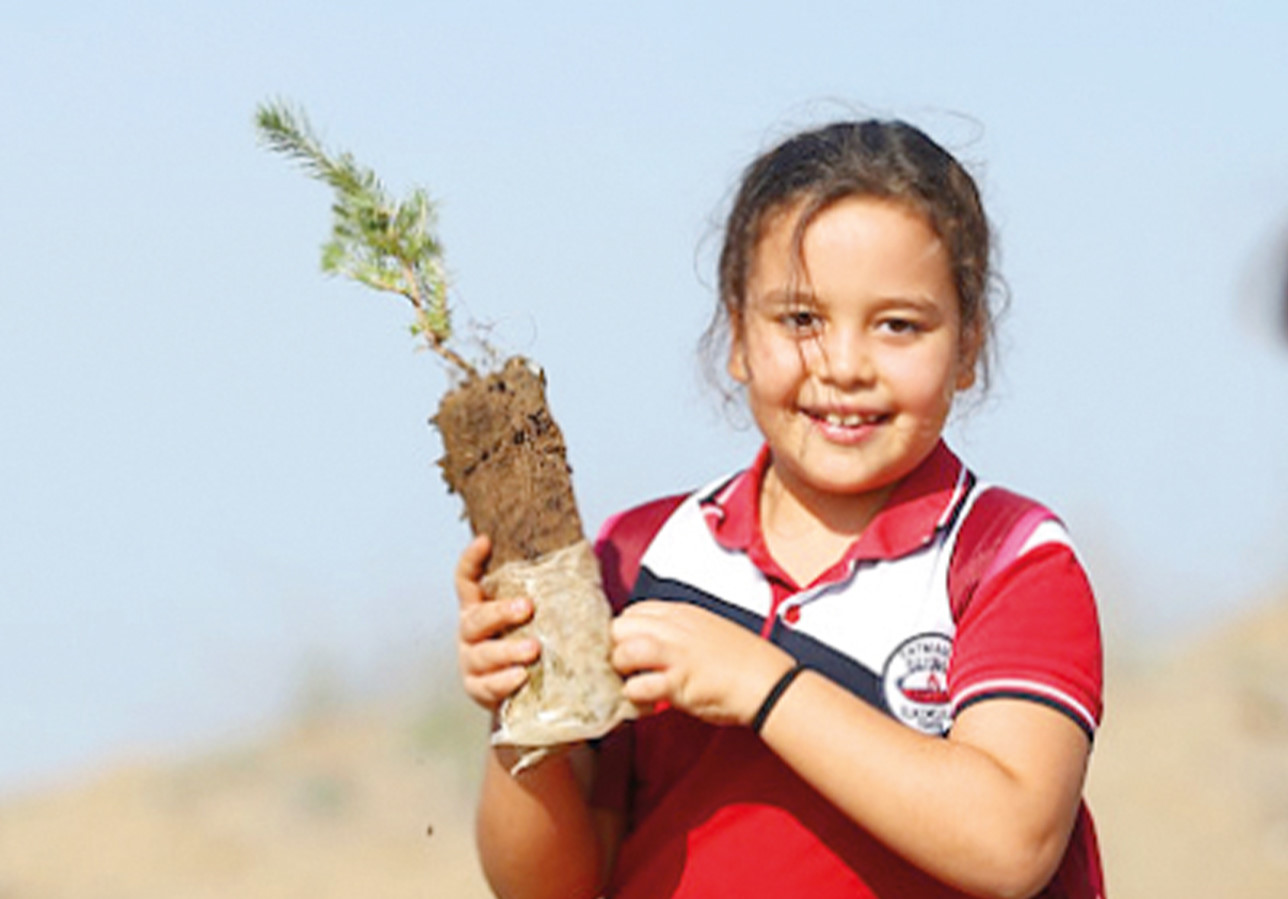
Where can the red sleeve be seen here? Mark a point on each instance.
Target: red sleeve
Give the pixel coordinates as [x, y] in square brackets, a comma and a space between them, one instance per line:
[622, 541]
[1031, 631]
[619, 547]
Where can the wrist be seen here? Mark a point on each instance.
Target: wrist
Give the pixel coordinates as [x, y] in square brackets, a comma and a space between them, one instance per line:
[774, 695]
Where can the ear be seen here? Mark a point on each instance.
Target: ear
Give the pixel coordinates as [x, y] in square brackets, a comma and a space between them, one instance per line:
[737, 364]
[971, 345]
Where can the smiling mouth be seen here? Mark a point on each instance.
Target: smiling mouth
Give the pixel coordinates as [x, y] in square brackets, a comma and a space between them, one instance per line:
[848, 419]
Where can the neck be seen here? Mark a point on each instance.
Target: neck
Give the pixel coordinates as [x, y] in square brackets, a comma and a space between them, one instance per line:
[806, 530]
[786, 503]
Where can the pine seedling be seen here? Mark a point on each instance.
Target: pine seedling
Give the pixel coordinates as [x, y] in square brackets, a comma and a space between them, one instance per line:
[387, 245]
[503, 454]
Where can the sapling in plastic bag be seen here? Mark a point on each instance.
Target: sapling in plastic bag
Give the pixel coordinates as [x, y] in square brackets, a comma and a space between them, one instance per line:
[503, 454]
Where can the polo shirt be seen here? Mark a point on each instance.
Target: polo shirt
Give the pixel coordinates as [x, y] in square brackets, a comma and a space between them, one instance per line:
[957, 592]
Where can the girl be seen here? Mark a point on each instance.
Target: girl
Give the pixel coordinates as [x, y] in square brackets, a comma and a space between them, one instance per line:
[863, 671]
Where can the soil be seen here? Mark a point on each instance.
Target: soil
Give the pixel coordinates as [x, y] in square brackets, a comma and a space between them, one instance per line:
[506, 458]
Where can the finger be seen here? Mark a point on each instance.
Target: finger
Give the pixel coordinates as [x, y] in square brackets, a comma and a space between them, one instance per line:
[647, 689]
[487, 620]
[492, 689]
[493, 655]
[636, 621]
[635, 653]
[469, 570]
[666, 619]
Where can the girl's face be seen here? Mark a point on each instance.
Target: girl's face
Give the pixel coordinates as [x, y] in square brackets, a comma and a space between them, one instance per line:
[851, 350]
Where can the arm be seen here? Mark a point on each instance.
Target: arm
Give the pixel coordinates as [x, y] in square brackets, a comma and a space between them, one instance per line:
[536, 834]
[999, 795]
[1004, 787]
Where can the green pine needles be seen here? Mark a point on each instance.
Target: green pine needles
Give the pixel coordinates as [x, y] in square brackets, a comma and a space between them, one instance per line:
[391, 246]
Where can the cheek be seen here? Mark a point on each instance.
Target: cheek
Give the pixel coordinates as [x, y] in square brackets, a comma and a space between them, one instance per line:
[777, 372]
[925, 383]
[765, 359]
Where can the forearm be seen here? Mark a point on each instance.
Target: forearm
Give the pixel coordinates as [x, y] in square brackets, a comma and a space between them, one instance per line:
[536, 834]
[949, 807]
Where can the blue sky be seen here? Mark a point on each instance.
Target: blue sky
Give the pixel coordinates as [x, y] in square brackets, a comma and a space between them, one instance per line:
[215, 471]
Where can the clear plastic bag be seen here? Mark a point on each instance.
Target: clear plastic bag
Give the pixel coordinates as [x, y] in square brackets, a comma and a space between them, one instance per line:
[572, 692]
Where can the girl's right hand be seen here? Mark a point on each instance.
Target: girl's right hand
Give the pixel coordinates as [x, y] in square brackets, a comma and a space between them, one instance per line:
[492, 665]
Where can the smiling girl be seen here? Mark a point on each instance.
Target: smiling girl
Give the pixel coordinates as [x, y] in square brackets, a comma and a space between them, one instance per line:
[864, 671]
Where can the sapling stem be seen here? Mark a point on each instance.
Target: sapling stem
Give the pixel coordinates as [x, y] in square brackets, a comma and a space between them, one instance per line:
[387, 245]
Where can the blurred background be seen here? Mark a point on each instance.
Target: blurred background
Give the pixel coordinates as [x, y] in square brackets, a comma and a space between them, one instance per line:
[225, 551]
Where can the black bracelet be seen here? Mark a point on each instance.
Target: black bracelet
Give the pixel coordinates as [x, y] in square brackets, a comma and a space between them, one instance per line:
[775, 693]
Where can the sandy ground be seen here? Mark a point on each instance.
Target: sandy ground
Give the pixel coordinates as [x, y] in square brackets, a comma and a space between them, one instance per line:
[1189, 788]
[1189, 782]
[364, 803]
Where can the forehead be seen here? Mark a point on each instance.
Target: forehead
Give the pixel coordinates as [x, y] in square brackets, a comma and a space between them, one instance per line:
[860, 243]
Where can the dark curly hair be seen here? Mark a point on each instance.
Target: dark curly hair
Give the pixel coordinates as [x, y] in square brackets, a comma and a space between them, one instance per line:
[888, 160]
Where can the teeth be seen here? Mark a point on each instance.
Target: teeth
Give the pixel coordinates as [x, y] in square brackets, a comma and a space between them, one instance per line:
[849, 421]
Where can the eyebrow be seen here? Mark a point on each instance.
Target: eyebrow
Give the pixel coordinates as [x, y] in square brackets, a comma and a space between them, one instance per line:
[787, 297]
[915, 301]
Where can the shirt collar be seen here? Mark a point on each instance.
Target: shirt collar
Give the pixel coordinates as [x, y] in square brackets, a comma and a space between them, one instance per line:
[926, 500]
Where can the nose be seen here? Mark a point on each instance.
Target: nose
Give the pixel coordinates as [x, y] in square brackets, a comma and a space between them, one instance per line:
[845, 359]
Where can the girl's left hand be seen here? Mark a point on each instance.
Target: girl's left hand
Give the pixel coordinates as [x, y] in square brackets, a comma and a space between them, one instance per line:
[695, 661]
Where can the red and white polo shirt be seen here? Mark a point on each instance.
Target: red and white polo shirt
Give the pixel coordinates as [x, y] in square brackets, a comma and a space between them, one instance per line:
[957, 592]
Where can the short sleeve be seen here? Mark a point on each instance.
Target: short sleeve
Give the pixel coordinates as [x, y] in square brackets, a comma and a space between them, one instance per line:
[1031, 631]
[619, 545]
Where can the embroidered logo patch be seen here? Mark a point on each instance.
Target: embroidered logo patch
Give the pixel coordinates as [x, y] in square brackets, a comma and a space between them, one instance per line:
[915, 682]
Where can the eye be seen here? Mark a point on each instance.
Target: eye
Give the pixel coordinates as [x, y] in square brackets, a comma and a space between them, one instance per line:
[801, 321]
[900, 325]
